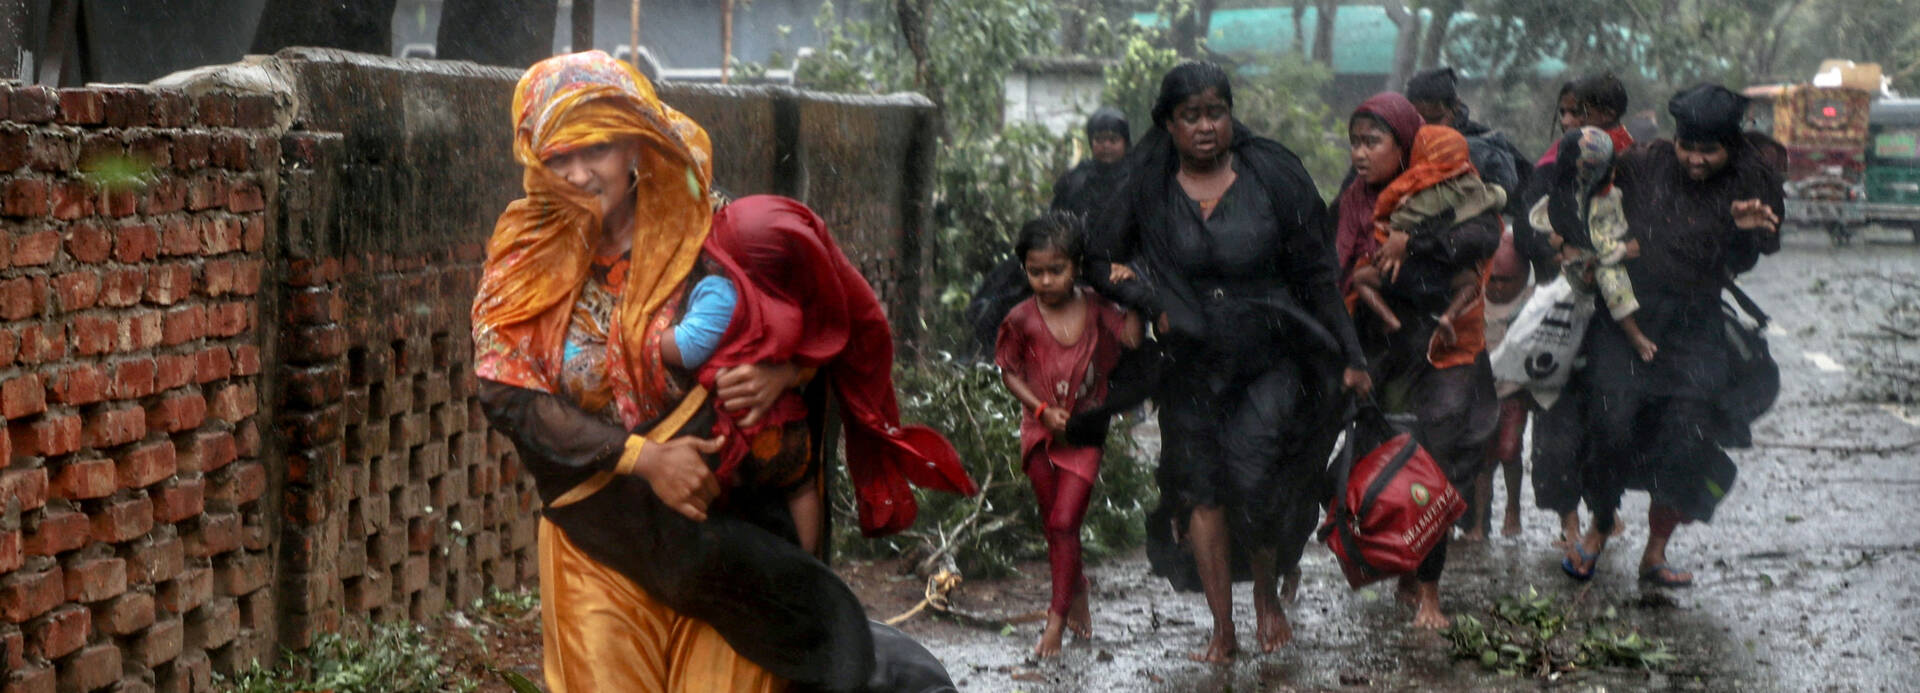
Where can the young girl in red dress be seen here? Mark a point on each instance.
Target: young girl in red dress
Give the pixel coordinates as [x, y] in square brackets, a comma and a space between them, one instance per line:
[1055, 351]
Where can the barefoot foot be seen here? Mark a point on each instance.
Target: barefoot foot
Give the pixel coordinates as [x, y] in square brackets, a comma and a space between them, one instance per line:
[1275, 630]
[1474, 536]
[1408, 591]
[1220, 649]
[1049, 644]
[1510, 526]
[1428, 615]
[1290, 586]
[1079, 617]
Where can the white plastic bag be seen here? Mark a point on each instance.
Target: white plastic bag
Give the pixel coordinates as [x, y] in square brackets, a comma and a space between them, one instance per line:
[1544, 338]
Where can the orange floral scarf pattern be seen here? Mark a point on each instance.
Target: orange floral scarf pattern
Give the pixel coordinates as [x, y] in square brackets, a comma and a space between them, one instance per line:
[542, 246]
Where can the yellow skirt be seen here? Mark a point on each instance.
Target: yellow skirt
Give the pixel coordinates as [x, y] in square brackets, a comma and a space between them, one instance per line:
[601, 632]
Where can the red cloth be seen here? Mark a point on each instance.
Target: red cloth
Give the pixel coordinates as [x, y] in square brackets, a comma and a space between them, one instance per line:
[1354, 239]
[1622, 141]
[1063, 502]
[1072, 377]
[811, 307]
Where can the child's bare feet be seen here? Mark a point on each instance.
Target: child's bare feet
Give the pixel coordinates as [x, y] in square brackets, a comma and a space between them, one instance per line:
[1428, 614]
[1220, 648]
[1079, 617]
[1510, 525]
[1474, 536]
[1050, 637]
[1275, 631]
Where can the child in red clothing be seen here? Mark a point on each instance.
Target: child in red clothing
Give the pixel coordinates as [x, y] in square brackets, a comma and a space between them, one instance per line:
[1055, 351]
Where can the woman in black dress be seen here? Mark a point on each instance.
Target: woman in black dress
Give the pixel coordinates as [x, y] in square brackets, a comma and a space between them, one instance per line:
[1222, 241]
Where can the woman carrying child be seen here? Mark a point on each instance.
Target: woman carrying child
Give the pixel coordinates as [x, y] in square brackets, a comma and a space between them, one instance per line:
[1055, 351]
[1440, 375]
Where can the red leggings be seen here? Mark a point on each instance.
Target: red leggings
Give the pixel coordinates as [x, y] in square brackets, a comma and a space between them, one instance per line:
[1063, 505]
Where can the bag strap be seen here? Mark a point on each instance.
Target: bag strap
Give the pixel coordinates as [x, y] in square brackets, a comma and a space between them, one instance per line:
[1746, 302]
[1386, 475]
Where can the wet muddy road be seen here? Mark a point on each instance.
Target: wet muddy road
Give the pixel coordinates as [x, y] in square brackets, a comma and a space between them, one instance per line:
[1806, 578]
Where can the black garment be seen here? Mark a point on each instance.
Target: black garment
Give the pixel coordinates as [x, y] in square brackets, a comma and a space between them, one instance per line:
[1559, 443]
[741, 571]
[1087, 187]
[1660, 425]
[1499, 162]
[1251, 400]
[1533, 244]
[1002, 288]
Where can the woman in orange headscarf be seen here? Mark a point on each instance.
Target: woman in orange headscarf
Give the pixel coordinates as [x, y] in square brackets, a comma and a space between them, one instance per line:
[1445, 383]
[651, 579]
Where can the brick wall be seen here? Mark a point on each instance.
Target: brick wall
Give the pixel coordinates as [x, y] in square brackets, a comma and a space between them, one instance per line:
[237, 391]
[136, 535]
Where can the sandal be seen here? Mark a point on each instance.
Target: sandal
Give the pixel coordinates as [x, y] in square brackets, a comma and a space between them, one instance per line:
[1592, 561]
[1659, 575]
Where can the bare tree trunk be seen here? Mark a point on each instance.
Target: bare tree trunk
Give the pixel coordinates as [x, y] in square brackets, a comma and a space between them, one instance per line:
[1190, 28]
[1438, 30]
[1328, 10]
[1405, 44]
[1299, 32]
[911, 16]
[1073, 25]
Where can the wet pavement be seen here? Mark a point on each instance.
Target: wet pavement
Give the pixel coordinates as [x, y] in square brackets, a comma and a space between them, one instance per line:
[1806, 578]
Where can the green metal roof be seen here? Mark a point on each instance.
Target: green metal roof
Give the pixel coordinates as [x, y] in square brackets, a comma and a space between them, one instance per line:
[1363, 36]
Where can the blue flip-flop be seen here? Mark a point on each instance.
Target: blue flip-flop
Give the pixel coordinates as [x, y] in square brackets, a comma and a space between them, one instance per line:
[1656, 575]
[1593, 559]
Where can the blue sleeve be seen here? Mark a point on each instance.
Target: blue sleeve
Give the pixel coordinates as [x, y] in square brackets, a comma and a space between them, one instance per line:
[709, 312]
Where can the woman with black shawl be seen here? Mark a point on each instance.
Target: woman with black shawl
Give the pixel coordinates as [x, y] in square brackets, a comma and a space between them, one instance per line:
[1703, 209]
[1220, 239]
[1445, 384]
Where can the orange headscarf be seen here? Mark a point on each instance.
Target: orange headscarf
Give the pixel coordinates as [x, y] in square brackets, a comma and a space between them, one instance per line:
[542, 245]
[1439, 153]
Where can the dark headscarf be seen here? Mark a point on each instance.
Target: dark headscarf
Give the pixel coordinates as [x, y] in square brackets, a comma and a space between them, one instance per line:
[1433, 85]
[1109, 119]
[1354, 239]
[1708, 113]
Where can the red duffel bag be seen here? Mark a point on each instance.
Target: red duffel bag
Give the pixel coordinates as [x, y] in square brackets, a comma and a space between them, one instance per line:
[1389, 509]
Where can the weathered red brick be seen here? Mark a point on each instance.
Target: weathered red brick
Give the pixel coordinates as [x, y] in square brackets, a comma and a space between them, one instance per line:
[82, 479]
[206, 451]
[24, 595]
[246, 439]
[179, 236]
[132, 379]
[37, 248]
[96, 579]
[173, 370]
[206, 191]
[13, 553]
[56, 532]
[214, 533]
[228, 319]
[72, 199]
[93, 334]
[26, 198]
[218, 235]
[99, 146]
[127, 107]
[246, 197]
[21, 396]
[123, 286]
[255, 237]
[42, 343]
[141, 331]
[53, 434]
[53, 151]
[239, 484]
[107, 428]
[123, 520]
[306, 273]
[246, 359]
[28, 486]
[178, 499]
[154, 150]
[215, 109]
[240, 573]
[9, 349]
[119, 200]
[83, 383]
[164, 195]
[234, 402]
[34, 104]
[177, 411]
[246, 276]
[95, 666]
[255, 111]
[170, 108]
[31, 677]
[192, 588]
[146, 465]
[88, 243]
[135, 243]
[213, 363]
[61, 631]
[81, 107]
[161, 644]
[77, 290]
[124, 615]
[13, 146]
[183, 325]
[23, 297]
[214, 623]
[155, 560]
[314, 306]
